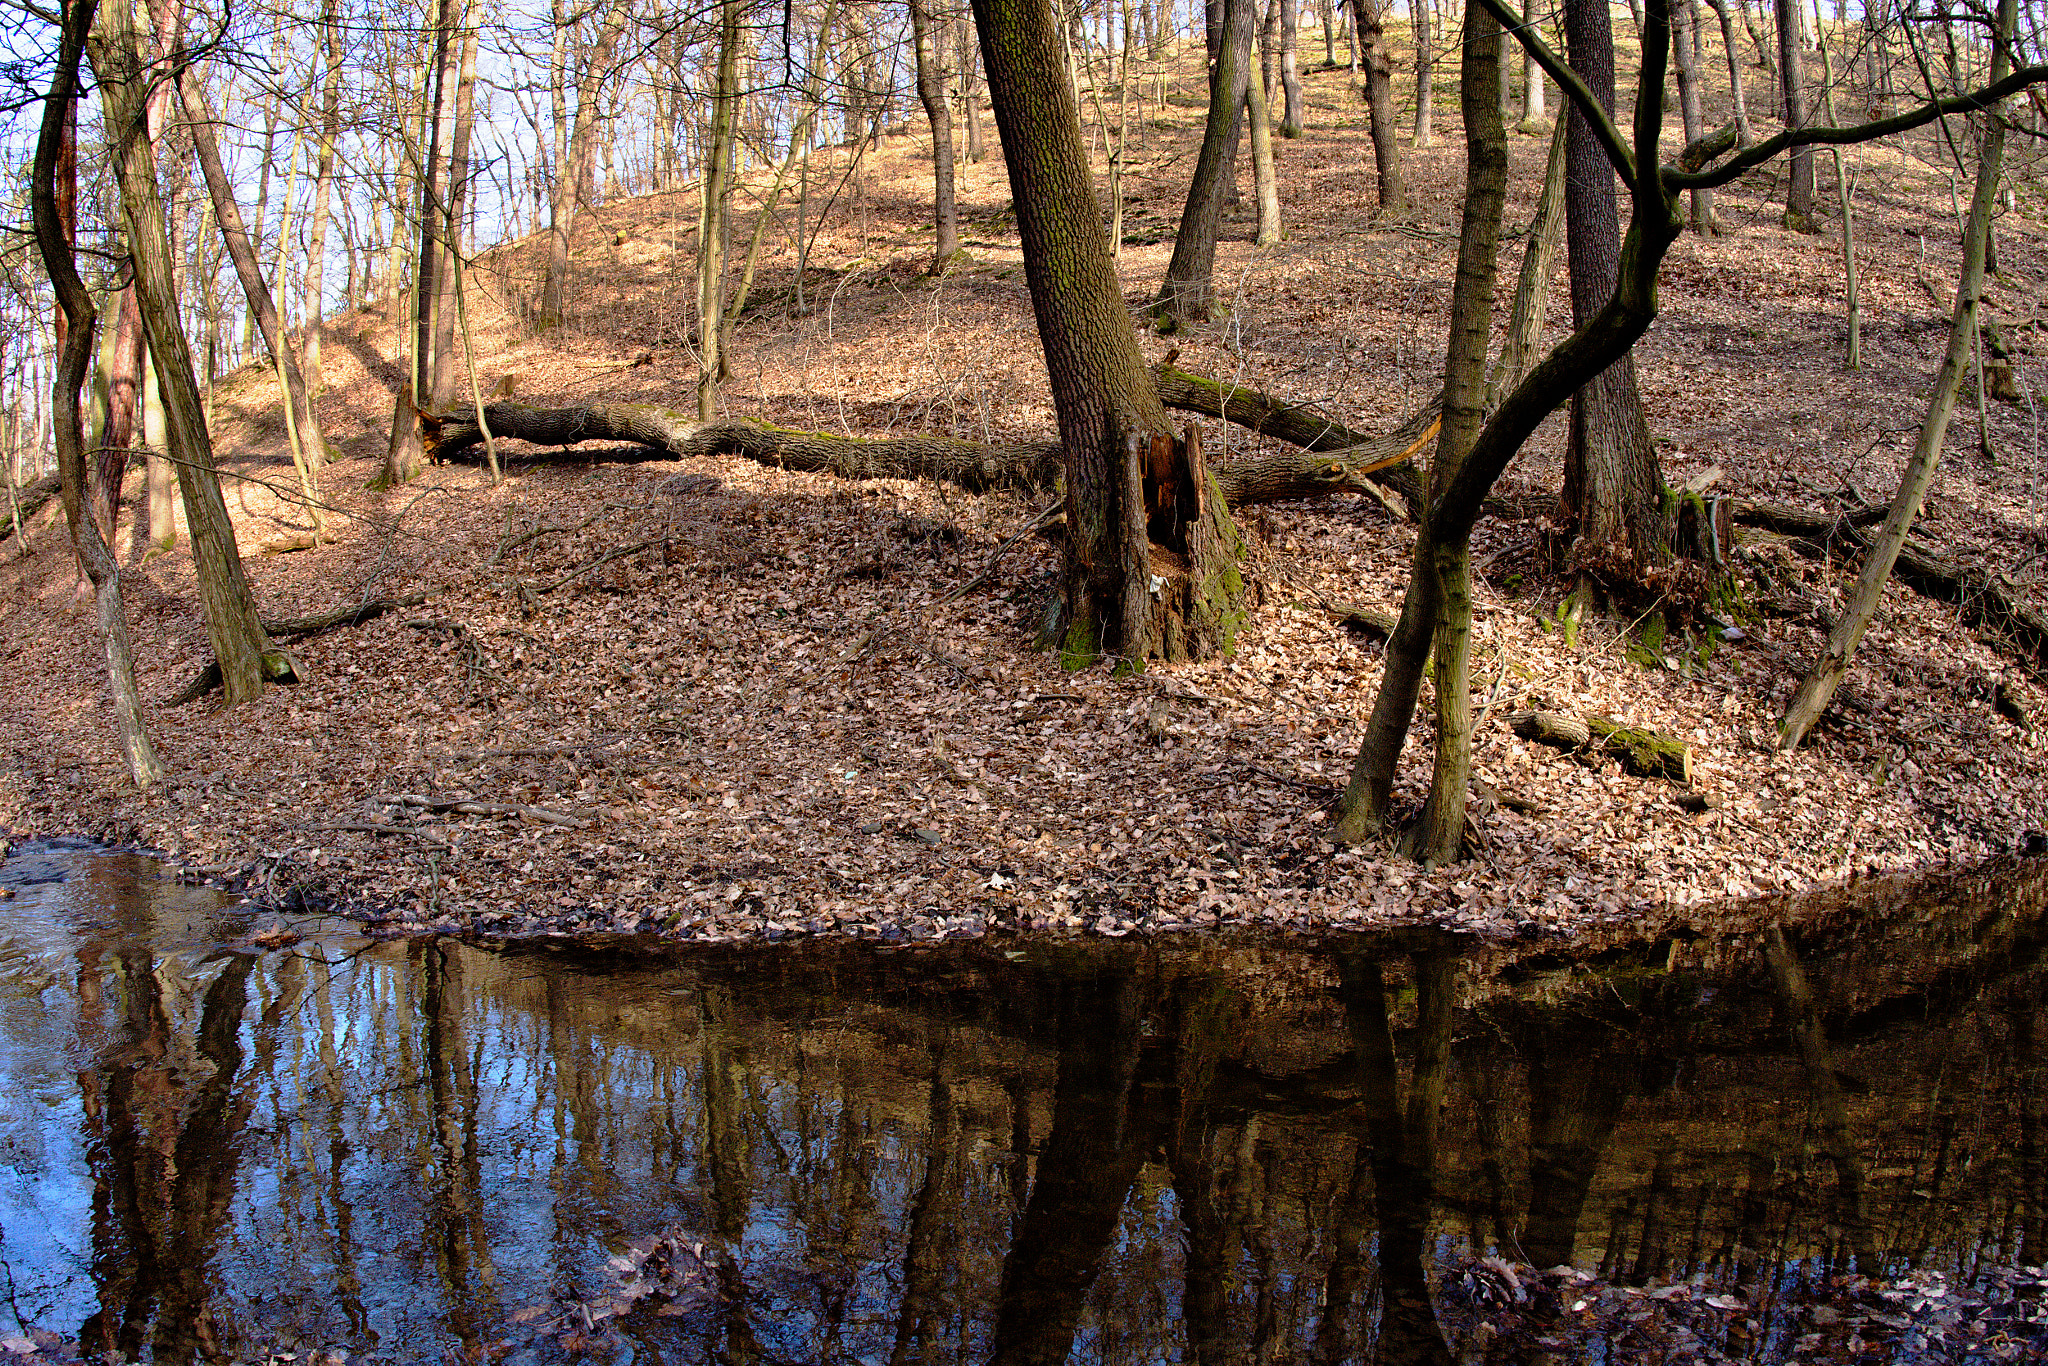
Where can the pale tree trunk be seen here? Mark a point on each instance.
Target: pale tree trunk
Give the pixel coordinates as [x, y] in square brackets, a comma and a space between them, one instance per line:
[938, 109]
[55, 245]
[1379, 99]
[798, 154]
[1685, 29]
[163, 482]
[1265, 183]
[242, 253]
[1532, 290]
[575, 149]
[1845, 204]
[441, 385]
[1534, 115]
[240, 645]
[714, 196]
[1425, 75]
[1826, 676]
[402, 457]
[970, 84]
[1743, 136]
[1290, 68]
[323, 194]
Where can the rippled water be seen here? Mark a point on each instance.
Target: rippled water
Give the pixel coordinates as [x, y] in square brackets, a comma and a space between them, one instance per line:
[1199, 1150]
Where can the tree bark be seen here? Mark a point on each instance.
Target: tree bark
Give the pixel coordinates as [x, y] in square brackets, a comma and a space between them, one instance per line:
[1735, 92]
[1685, 28]
[1826, 676]
[1425, 75]
[54, 244]
[938, 109]
[230, 610]
[1532, 289]
[1379, 100]
[1290, 68]
[714, 205]
[1792, 79]
[1187, 294]
[1534, 115]
[323, 195]
[1265, 183]
[1612, 485]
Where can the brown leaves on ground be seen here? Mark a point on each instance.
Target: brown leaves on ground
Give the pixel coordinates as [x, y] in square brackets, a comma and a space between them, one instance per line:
[771, 718]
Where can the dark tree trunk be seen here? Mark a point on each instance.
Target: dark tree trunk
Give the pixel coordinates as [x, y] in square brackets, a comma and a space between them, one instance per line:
[1186, 294]
[1685, 24]
[1611, 480]
[931, 90]
[1379, 99]
[124, 393]
[1792, 79]
[1290, 67]
[1141, 509]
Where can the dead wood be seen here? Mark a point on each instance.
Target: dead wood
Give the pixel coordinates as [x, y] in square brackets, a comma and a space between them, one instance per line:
[1359, 457]
[1368, 621]
[278, 666]
[1987, 597]
[668, 434]
[465, 806]
[1645, 753]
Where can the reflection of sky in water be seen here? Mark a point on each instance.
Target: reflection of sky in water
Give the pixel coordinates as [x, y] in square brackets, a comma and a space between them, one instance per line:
[407, 1178]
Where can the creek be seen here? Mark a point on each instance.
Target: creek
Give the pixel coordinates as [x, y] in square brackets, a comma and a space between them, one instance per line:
[1809, 1129]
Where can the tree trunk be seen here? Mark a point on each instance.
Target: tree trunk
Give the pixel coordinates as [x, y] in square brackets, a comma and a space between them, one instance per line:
[1819, 688]
[1442, 833]
[1612, 486]
[1744, 137]
[123, 378]
[1290, 68]
[1265, 182]
[575, 144]
[714, 203]
[232, 626]
[323, 194]
[1186, 295]
[1532, 290]
[1685, 28]
[1534, 116]
[1425, 75]
[441, 377]
[938, 109]
[970, 85]
[1792, 78]
[1379, 99]
[54, 243]
[262, 302]
[1109, 409]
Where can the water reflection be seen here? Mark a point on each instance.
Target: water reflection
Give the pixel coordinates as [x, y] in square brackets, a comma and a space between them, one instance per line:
[1201, 1151]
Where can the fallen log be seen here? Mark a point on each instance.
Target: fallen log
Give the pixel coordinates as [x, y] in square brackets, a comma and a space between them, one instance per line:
[1367, 621]
[973, 465]
[1359, 457]
[1644, 753]
[1987, 598]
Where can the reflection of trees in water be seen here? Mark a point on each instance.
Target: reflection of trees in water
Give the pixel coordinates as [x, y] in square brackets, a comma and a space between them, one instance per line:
[1218, 1155]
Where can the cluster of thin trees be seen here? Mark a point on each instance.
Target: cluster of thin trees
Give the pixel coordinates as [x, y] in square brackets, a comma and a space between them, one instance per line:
[392, 143]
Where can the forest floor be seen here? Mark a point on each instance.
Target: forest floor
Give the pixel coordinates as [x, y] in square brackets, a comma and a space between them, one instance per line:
[776, 718]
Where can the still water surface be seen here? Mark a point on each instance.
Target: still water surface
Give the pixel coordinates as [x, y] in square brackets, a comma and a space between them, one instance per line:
[1808, 1131]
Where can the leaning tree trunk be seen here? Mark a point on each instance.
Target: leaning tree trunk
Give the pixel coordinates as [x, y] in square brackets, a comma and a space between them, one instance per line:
[938, 110]
[237, 635]
[1819, 688]
[54, 242]
[1441, 835]
[1186, 294]
[1612, 486]
[1379, 100]
[262, 302]
[1141, 508]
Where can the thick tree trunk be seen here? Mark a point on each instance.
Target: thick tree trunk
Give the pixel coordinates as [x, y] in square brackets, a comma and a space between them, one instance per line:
[1611, 482]
[1379, 100]
[1792, 79]
[938, 109]
[1826, 676]
[54, 243]
[1186, 295]
[230, 610]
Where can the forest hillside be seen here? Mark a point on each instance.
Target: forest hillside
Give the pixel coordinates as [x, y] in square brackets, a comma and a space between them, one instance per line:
[717, 698]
